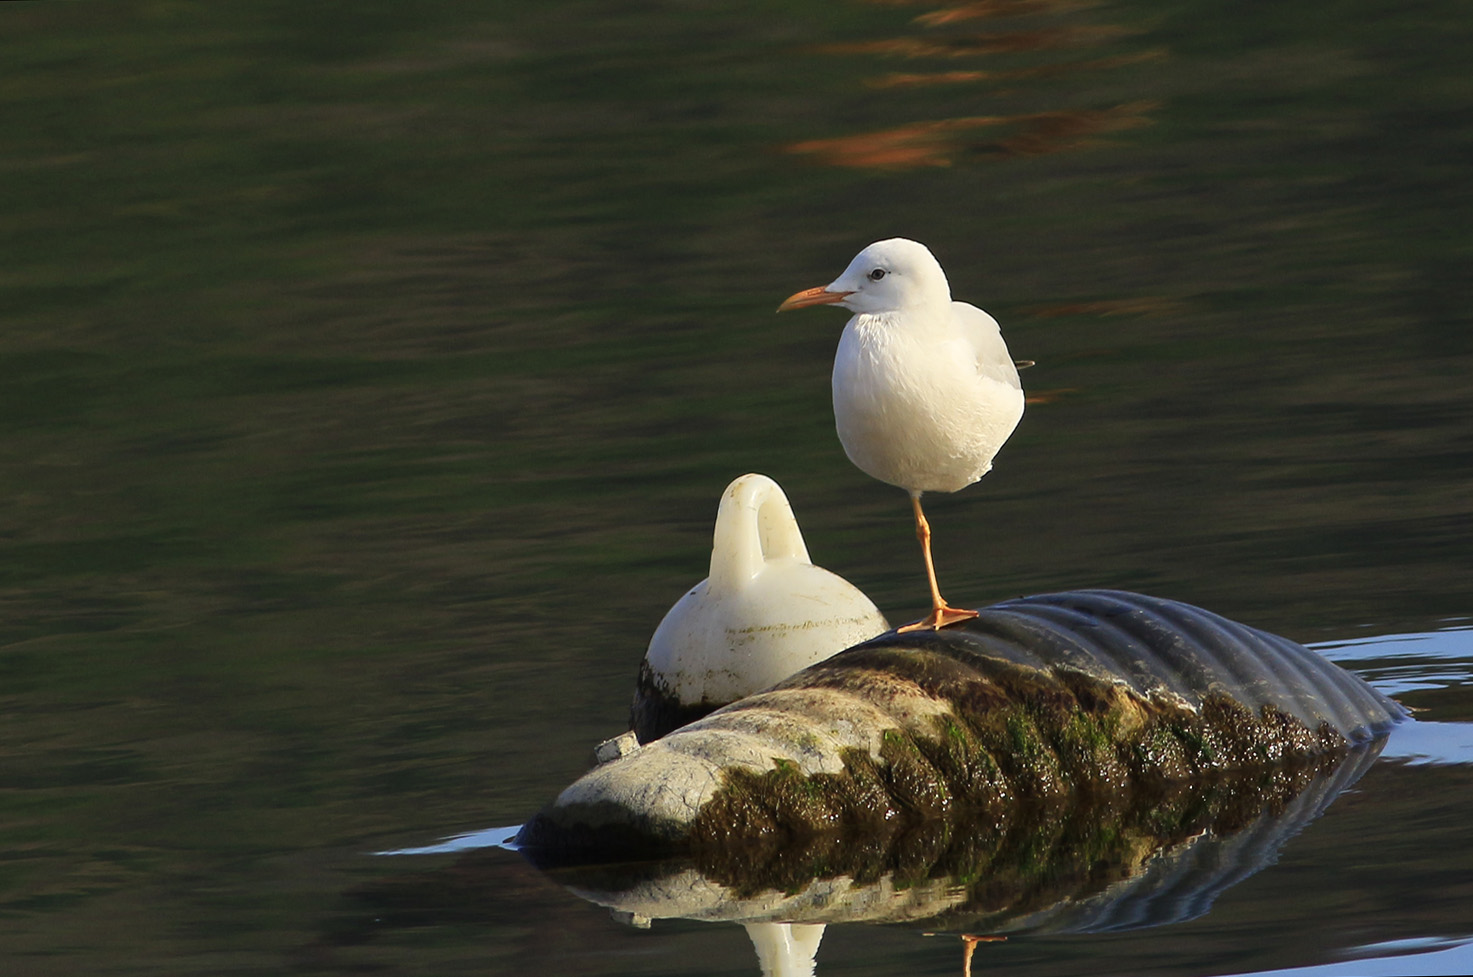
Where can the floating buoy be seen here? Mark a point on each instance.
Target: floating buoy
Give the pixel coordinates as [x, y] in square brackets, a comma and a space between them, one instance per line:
[1035, 700]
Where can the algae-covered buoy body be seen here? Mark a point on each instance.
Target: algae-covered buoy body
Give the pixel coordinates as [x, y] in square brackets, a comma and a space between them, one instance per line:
[764, 613]
[1036, 700]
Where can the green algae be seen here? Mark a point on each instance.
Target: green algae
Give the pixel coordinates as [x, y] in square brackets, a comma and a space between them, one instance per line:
[1011, 736]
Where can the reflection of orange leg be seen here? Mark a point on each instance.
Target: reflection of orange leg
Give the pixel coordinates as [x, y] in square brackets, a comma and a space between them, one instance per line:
[971, 945]
[942, 613]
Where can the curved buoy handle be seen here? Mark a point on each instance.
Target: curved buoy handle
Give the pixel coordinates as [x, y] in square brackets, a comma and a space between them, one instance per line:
[754, 524]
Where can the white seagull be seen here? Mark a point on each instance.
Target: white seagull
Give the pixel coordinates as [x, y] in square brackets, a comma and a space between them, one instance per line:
[925, 391]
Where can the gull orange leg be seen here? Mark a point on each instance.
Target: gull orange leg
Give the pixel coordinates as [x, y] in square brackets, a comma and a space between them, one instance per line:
[942, 613]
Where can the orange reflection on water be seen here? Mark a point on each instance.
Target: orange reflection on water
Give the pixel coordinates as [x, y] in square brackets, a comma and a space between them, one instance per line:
[990, 8]
[940, 142]
[1140, 305]
[898, 79]
[1001, 8]
[974, 44]
[917, 144]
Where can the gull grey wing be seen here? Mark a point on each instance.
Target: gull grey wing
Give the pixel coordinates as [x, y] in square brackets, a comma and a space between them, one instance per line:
[993, 359]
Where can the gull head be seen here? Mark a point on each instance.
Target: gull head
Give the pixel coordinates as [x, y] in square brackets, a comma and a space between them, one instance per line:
[887, 276]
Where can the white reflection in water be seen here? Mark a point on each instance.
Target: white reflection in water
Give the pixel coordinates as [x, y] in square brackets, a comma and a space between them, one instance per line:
[1397, 663]
[1430, 743]
[1455, 956]
[470, 841]
[1400, 663]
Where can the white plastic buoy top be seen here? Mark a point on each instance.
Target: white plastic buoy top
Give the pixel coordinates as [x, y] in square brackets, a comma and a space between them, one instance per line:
[764, 613]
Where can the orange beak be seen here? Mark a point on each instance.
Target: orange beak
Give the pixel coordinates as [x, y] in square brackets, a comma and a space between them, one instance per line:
[812, 296]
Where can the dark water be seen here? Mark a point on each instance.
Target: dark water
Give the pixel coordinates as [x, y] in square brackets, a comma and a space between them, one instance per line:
[371, 372]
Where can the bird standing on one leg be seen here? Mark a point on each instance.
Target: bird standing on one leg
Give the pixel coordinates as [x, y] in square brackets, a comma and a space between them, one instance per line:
[925, 391]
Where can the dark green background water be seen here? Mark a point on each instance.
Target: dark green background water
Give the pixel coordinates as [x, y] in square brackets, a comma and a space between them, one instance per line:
[369, 374]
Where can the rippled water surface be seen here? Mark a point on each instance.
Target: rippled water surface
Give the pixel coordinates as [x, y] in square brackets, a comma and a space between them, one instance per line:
[370, 373]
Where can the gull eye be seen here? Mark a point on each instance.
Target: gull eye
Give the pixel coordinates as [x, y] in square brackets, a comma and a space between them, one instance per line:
[877, 274]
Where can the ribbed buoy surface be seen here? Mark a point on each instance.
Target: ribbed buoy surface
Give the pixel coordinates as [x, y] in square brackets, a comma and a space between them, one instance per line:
[1164, 650]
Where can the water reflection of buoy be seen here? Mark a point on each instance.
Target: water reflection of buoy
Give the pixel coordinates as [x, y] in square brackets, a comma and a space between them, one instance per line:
[785, 949]
[925, 391]
[764, 613]
[1101, 862]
